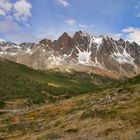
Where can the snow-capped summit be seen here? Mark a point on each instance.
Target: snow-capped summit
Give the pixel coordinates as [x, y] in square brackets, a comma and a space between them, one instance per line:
[81, 49]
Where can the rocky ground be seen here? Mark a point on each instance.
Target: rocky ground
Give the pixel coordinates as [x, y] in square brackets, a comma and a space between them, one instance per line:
[112, 114]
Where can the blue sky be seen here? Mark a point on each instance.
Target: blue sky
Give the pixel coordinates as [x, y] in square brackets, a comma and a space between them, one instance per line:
[33, 20]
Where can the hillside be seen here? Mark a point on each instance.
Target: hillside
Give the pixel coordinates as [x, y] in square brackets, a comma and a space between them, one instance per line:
[20, 82]
[35, 105]
[110, 113]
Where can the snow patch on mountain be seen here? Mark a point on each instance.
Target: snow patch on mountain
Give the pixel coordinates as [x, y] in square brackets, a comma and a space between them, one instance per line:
[123, 57]
[59, 60]
[101, 52]
[95, 41]
[84, 57]
[55, 60]
[98, 41]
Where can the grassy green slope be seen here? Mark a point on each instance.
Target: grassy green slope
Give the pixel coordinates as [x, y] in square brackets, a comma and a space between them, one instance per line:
[112, 113]
[18, 81]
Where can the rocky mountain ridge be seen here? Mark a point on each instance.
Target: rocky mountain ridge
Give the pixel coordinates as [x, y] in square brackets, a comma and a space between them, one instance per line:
[101, 54]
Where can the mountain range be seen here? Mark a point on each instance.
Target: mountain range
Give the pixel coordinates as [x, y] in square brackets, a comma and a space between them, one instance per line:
[81, 52]
[73, 88]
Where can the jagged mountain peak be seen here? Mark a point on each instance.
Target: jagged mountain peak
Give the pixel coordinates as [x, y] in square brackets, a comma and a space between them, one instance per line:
[92, 52]
[65, 35]
[78, 33]
[46, 42]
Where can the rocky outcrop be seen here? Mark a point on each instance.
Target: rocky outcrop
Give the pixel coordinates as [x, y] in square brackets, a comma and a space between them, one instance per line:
[104, 53]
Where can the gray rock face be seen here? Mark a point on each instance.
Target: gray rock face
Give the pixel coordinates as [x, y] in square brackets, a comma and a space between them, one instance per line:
[83, 49]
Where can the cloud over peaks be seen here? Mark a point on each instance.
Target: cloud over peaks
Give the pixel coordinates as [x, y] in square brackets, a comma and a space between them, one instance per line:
[19, 10]
[8, 26]
[71, 21]
[132, 34]
[5, 7]
[22, 9]
[64, 3]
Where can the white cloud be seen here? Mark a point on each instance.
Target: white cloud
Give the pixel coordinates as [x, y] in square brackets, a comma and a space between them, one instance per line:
[71, 22]
[119, 35]
[132, 34]
[2, 12]
[8, 26]
[65, 3]
[22, 37]
[16, 33]
[83, 25]
[22, 9]
[5, 7]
